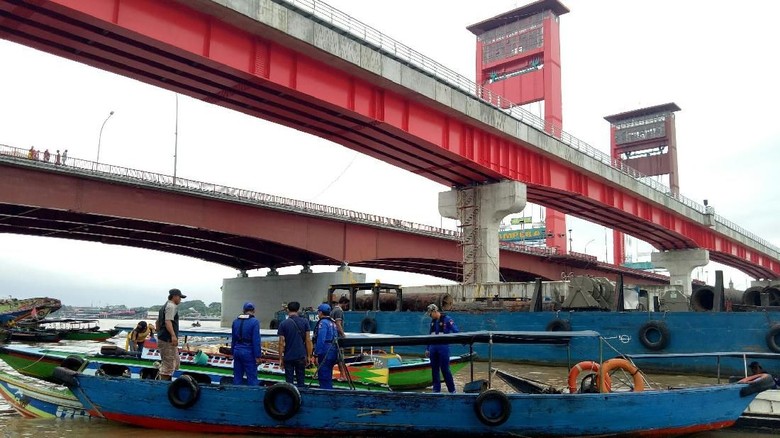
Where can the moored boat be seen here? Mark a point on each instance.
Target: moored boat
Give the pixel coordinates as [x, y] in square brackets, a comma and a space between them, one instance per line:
[284, 409]
[35, 398]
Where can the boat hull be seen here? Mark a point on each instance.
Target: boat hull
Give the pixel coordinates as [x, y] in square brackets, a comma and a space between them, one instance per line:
[338, 412]
[690, 332]
[38, 399]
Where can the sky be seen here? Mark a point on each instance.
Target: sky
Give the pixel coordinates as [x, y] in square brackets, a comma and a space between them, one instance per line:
[717, 62]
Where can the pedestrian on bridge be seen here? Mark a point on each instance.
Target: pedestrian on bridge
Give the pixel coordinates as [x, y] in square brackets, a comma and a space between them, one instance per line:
[64, 156]
[46, 155]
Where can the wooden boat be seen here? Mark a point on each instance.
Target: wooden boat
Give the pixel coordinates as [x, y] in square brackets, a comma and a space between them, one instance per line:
[13, 310]
[35, 398]
[69, 329]
[22, 335]
[280, 409]
[41, 362]
[369, 366]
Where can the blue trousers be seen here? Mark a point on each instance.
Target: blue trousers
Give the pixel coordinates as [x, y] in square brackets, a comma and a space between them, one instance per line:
[440, 364]
[325, 373]
[294, 372]
[244, 363]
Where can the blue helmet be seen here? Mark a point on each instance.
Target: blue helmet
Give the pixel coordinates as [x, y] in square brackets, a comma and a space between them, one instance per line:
[248, 306]
[324, 308]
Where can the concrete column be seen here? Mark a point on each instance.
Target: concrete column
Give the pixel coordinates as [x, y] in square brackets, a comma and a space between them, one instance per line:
[480, 210]
[680, 264]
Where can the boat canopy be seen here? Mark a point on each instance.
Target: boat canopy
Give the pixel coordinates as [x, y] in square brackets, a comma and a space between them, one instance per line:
[468, 338]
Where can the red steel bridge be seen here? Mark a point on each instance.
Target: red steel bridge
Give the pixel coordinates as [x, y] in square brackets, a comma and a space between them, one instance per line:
[85, 200]
[307, 66]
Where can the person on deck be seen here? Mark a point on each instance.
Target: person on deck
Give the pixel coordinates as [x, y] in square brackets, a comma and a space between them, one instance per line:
[756, 368]
[295, 347]
[245, 345]
[168, 334]
[440, 354]
[137, 337]
[337, 315]
[326, 352]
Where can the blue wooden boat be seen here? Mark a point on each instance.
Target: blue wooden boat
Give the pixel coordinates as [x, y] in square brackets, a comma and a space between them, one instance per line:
[34, 398]
[284, 409]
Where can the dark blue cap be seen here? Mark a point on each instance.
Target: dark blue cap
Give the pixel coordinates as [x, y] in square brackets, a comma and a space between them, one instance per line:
[248, 306]
[324, 308]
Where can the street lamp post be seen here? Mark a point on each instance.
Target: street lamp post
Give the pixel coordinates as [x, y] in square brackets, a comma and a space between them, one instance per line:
[100, 136]
[570, 240]
[586, 245]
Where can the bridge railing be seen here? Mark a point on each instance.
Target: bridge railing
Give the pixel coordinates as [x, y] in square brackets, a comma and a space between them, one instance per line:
[124, 174]
[370, 36]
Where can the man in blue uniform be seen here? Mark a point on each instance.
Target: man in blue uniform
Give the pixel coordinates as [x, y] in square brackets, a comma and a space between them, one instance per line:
[245, 345]
[440, 354]
[325, 351]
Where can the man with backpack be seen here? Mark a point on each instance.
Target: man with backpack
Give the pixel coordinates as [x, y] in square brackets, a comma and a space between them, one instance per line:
[294, 345]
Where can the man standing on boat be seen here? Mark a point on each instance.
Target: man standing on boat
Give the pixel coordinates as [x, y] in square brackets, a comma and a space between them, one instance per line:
[168, 336]
[245, 345]
[440, 354]
[337, 315]
[295, 348]
[325, 352]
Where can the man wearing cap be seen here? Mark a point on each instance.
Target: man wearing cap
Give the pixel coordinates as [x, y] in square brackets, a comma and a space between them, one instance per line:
[168, 336]
[440, 354]
[245, 345]
[326, 352]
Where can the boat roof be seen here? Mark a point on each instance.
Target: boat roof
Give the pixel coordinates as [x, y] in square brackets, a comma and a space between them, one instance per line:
[226, 332]
[478, 337]
[63, 320]
[740, 354]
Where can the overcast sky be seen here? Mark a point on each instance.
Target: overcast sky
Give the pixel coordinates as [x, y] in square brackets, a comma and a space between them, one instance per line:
[718, 62]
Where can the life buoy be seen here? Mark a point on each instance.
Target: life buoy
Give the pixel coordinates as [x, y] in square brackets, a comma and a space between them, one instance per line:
[282, 401]
[492, 407]
[368, 325]
[274, 324]
[558, 325]
[587, 365]
[73, 362]
[183, 392]
[654, 335]
[605, 381]
[756, 383]
[771, 338]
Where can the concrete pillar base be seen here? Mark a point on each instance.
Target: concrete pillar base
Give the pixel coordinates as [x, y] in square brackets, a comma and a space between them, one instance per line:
[480, 210]
[680, 264]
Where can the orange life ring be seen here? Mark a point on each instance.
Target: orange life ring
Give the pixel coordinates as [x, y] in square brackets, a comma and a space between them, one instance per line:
[587, 365]
[605, 383]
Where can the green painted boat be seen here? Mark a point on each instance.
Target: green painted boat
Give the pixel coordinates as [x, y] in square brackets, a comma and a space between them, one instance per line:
[412, 373]
[40, 362]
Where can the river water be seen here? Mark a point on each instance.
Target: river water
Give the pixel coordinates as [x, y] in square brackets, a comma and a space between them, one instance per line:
[13, 425]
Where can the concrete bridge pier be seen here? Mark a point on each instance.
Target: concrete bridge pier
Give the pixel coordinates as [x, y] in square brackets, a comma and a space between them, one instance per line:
[680, 264]
[270, 293]
[480, 210]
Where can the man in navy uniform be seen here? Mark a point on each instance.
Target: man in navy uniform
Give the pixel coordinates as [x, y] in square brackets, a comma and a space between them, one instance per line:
[325, 351]
[245, 345]
[440, 354]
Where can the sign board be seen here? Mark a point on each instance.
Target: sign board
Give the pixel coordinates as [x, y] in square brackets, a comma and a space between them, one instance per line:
[529, 234]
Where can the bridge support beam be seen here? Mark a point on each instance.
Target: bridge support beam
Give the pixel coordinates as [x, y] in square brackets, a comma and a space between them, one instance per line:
[680, 264]
[480, 210]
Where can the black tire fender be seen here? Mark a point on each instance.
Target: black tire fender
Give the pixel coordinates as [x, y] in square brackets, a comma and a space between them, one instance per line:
[559, 325]
[771, 338]
[368, 325]
[493, 407]
[290, 399]
[73, 362]
[649, 330]
[183, 392]
[66, 376]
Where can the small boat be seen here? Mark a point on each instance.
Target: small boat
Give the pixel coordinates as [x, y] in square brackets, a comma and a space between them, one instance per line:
[35, 398]
[283, 409]
[32, 335]
[13, 310]
[71, 329]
